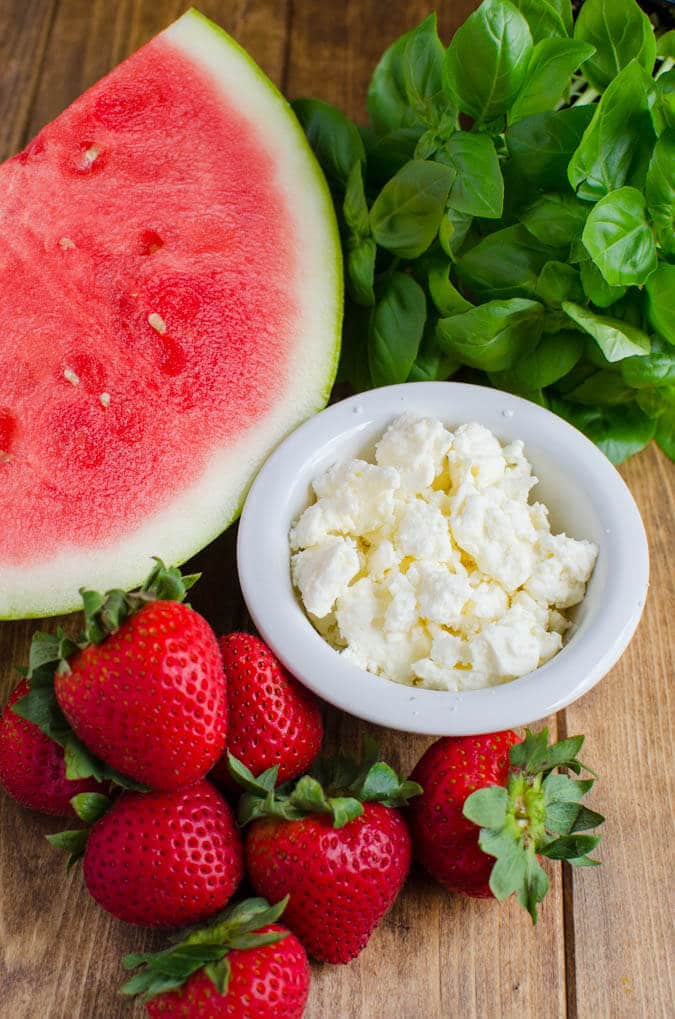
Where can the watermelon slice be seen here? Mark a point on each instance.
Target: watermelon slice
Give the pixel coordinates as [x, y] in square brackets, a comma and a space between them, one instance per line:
[170, 305]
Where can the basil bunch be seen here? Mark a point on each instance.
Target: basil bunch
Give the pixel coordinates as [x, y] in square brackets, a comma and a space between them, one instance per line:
[496, 219]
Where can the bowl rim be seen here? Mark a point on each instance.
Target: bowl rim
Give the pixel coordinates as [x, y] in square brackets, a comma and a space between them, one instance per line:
[283, 624]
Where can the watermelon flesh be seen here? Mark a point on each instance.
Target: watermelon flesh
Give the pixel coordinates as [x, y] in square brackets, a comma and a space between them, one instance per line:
[170, 306]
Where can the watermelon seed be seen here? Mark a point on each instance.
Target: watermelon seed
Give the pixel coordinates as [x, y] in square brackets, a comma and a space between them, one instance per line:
[90, 156]
[105, 399]
[157, 323]
[66, 243]
[70, 376]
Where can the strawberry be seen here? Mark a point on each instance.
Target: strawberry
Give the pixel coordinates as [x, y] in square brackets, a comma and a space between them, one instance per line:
[141, 697]
[160, 859]
[340, 856]
[32, 768]
[495, 796]
[244, 965]
[272, 719]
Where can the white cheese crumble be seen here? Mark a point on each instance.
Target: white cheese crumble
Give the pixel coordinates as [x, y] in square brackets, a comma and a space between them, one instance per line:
[430, 567]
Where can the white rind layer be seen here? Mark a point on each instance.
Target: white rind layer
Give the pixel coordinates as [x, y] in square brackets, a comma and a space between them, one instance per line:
[202, 511]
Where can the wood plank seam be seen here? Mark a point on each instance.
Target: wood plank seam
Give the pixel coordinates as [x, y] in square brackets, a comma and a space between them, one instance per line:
[42, 57]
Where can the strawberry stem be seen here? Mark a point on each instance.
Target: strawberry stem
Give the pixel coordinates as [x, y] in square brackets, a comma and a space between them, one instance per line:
[538, 813]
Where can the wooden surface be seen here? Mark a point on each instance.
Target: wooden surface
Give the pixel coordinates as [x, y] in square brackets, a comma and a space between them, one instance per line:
[601, 947]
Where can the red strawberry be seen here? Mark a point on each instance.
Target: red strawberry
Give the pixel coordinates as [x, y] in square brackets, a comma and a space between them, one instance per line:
[163, 859]
[214, 977]
[32, 768]
[272, 719]
[342, 858]
[495, 796]
[147, 693]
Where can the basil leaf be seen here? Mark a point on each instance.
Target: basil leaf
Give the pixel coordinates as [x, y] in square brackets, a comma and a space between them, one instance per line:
[558, 282]
[603, 388]
[355, 207]
[660, 191]
[620, 32]
[615, 338]
[603, 158]
[504, 264]
[478, 187]
[665, 433]
[396, 330]
[444, 294]
[335, 140]
[486, 61]
[361, 271]
[660, 289]
[386, 155]
[618, 431]
[547, 18]
[619, 239]
[453, 231]
[656, 369]
[663, 109]
[596, 288]
[407, 213]
[432, 364]
[406, 87]
[555, 219]
[541, 146]
[551, 65]
[493, 336]
[552, 359]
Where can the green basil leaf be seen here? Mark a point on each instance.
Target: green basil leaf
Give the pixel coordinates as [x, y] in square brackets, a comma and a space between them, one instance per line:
[478, 187]
[651, 370]
[396, 330]
[558, 282]
[406, 87]
[619, 239]
[660, 191]
[444, 294]
[335, 140]
[432, 364]
[547, 18]
[663, 109]
[660, 288]
[615, 338]
[552, 63]
[665, 45]
[493, 336]
[541, 146]
[504, 264]
[487, 59]
[603, 388]
[596, 288]
[355, 207]
[555, 219]
[620, 32]
[621, 121]
[665, 433]
[407, 213]
[554, 357]
[453, 231]
[387, 154]
[618, 431]
[361, 271]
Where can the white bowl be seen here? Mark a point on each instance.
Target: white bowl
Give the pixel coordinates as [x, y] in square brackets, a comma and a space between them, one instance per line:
[586, 498]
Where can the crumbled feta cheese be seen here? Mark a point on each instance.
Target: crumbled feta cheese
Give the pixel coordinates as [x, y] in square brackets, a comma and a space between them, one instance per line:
[430, 567]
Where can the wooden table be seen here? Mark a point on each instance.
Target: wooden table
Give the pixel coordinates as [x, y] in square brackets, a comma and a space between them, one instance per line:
[600, 949]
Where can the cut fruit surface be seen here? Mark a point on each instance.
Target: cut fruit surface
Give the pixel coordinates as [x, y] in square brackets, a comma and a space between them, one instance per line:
[170, 301]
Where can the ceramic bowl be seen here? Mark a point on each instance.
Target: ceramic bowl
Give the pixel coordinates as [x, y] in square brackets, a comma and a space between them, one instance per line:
[586, 498]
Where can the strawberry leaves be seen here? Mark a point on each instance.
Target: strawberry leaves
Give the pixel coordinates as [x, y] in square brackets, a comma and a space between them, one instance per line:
[337, 786]
[89, 807]
[238, 927]
[538, 813]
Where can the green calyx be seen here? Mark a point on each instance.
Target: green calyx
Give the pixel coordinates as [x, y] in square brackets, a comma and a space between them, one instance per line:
[89, 807]
[50, 653]
[337, 786]
[205, 948]
[538, 813]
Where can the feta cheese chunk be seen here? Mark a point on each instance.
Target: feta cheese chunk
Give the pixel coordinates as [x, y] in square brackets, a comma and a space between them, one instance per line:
[431, 567]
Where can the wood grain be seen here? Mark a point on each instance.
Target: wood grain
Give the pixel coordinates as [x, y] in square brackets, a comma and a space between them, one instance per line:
[600, 947]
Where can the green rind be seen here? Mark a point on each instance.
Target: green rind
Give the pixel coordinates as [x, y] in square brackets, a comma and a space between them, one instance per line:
[55, 610]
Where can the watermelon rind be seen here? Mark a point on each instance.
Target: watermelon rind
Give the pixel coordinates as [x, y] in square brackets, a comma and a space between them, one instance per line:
[197, 515]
